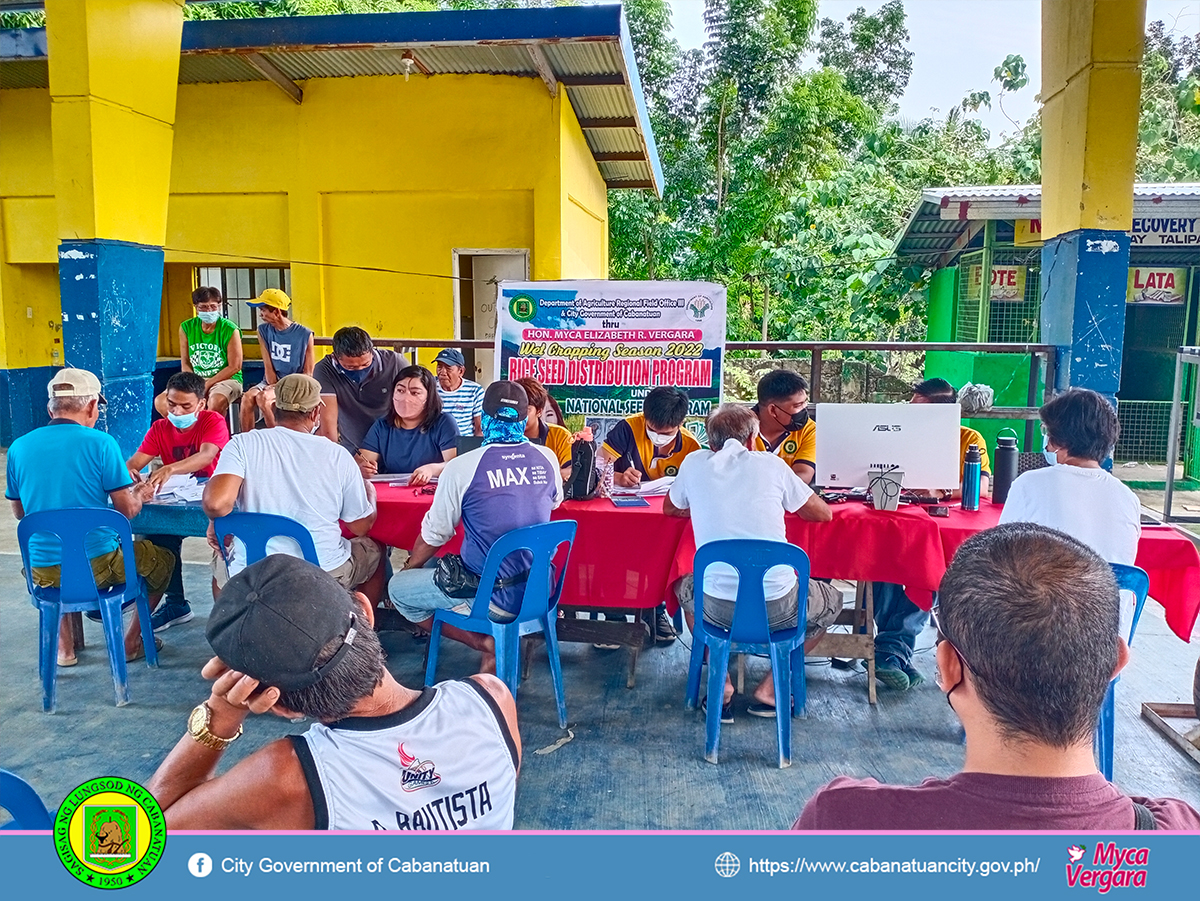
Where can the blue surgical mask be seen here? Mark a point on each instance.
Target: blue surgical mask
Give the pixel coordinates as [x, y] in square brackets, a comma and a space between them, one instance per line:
[1051, 456]
[209, 317]
[183, 420]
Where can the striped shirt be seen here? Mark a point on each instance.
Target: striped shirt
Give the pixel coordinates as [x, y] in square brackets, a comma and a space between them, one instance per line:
[463, 404]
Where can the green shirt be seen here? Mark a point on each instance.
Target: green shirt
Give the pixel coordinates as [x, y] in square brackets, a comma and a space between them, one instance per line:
[209, 352]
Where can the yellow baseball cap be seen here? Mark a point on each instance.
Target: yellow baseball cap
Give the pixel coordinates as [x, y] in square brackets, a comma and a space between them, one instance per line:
[272, 297]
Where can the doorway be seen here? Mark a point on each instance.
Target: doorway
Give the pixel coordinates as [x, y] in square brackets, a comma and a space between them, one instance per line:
[478, 275]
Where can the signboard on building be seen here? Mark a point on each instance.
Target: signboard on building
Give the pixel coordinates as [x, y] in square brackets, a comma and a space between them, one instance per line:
[600, 346]
[1147, 231]
[1008, 283]
[1156, 285]
[1158, 231]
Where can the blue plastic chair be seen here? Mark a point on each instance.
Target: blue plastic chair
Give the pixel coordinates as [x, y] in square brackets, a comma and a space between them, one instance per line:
[77, 592]
[254, 530]
[749, 634]
[539, 606]
[1129, 578]
[18, 798]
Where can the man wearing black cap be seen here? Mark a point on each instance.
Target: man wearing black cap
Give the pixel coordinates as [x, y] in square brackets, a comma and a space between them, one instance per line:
[506, 484]
[291, 641]
[461, 397]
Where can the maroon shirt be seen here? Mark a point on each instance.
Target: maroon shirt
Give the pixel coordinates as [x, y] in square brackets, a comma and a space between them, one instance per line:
[987, 802]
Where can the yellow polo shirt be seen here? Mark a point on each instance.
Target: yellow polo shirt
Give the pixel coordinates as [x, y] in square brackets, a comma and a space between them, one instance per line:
[628, 442]
[967, 437]
[558, 439]
[796, 447]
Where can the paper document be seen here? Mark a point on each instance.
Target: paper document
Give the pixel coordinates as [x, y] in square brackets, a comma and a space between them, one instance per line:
[179, 488]
[400, 479]
[653, 488]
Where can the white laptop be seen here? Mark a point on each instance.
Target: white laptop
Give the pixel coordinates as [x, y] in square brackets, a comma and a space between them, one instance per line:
[920, 439]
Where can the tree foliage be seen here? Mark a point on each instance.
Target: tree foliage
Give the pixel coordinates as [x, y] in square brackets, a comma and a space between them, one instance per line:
[871, 51]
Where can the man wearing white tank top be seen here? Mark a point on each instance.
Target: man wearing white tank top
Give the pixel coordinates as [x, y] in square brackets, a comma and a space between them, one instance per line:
[291, 641]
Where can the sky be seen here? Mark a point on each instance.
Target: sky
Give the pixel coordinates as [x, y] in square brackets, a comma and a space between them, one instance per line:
[956, 45]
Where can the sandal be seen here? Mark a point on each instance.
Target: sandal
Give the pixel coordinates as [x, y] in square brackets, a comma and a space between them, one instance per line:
[67, 661]
[141, 651]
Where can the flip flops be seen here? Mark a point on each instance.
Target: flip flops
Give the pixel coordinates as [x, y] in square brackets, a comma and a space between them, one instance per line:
[141, 651]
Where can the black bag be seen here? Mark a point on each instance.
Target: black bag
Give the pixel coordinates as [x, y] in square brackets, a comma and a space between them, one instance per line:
[585, 480]
[454, 580]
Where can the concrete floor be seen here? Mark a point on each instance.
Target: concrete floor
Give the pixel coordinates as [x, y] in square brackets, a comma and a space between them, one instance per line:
[634, 758]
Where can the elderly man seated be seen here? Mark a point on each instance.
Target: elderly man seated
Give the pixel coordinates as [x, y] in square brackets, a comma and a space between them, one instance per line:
[738, 492]
[1027, 644]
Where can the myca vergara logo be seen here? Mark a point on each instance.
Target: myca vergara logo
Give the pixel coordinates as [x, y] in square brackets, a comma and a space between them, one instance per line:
[110, 833]
[1110, 867]
[522, 308]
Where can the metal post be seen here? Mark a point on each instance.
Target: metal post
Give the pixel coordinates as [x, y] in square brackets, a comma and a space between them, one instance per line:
[814, 388]
[1173, 435]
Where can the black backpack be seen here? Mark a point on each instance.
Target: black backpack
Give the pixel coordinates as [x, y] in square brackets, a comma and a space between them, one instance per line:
[585, 480]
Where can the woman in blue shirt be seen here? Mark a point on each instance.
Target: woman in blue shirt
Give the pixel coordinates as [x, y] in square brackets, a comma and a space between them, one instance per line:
[416, 437]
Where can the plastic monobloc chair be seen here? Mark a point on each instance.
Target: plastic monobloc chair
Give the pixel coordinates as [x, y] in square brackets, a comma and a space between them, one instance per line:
[256, 529]
[749, 633]
[539, 606]
[1129, 578]
[77, 592]
[18, 798]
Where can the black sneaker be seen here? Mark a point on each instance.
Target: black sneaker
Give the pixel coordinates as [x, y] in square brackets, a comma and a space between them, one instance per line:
[726, 710]
[171, 614]
[914, 677]
[664, 631]
[388, 619]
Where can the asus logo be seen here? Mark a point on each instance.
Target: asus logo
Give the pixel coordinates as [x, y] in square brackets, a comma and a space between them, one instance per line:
[886, 428]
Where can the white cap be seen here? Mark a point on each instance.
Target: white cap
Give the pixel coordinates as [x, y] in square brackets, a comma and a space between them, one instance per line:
[74, 383]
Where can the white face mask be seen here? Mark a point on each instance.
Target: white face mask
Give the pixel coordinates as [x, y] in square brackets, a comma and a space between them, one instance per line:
[658, 439]
[208, 317]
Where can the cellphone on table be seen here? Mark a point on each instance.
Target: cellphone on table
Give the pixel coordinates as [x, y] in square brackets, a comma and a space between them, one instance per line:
[938, 511]
[630, 501]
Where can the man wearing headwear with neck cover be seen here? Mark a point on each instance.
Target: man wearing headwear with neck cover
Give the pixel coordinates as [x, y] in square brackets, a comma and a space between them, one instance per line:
[506, 484]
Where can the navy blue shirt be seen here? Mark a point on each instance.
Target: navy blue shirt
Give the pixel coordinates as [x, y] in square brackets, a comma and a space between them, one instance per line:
[403, 450]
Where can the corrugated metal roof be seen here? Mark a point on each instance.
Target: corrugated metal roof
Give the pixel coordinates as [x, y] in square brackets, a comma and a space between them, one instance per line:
[24, 73]
[584, 41]
[944, 215]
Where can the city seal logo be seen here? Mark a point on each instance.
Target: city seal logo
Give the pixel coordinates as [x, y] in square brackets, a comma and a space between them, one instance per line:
[522, 308]
[110, 833]
[671, 471]
[699, 307]
[790, 446]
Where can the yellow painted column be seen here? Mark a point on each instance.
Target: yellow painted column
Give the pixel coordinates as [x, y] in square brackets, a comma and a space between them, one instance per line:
[114, 76]
[1091, 89]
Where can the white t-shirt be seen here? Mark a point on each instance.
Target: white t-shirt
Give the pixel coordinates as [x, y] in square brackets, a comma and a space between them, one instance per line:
[1090, 505]
[303, 477]
[739, 493]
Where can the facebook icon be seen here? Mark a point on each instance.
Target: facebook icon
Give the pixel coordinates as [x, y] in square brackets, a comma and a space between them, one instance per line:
[200, 865]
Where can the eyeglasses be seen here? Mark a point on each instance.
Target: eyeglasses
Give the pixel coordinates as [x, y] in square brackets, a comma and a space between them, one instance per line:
[942, 636]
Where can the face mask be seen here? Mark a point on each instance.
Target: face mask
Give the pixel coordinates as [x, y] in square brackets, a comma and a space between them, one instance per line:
[658, 439]
[797, 421]
[1051, 456]
[182, 420]
[209, 317]
[355, 375]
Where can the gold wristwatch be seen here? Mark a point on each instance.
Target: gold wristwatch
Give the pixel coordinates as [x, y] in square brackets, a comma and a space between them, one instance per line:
[197, 728]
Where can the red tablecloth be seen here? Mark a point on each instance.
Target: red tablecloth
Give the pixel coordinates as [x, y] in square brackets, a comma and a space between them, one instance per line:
[912, 548]
[621, 557]
[630, 557]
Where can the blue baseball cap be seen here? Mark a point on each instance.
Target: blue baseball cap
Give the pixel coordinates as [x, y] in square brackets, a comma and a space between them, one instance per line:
[451, 356]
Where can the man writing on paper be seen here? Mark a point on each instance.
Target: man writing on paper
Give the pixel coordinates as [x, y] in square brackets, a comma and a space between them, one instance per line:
[650, 444]
[188, 442]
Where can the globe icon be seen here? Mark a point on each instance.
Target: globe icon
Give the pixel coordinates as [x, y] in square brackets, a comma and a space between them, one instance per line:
[727, 864]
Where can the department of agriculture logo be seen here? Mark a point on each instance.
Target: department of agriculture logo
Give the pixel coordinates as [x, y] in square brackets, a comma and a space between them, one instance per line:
[698, 307]
[522, 308]
[110, 833]
[790, 446]
[727, 864]
[671, 471]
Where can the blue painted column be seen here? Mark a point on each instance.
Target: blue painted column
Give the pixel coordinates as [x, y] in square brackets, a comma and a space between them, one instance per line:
[111, 299]
[1084, 277]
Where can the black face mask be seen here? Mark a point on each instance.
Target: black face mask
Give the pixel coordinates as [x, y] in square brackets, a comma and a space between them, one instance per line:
[798, 421]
